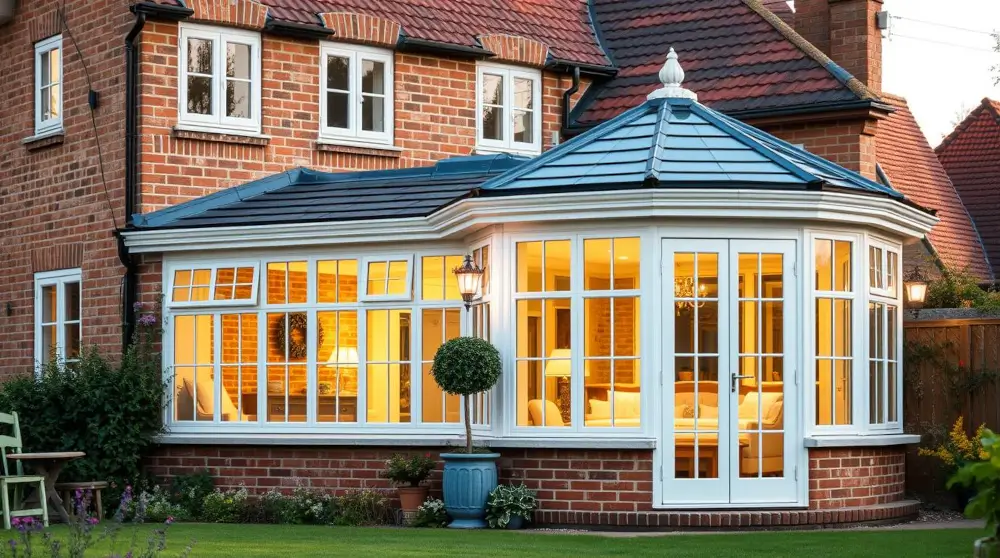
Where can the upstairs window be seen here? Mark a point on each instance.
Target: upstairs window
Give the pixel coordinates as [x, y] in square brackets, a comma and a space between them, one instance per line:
[356, 102]
[48, 85]
[508, 109]
[219, 79]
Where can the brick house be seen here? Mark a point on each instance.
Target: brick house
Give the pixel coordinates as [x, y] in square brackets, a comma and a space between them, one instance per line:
[332, 87]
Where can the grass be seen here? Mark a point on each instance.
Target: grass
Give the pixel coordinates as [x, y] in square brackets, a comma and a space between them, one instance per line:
[276, 541]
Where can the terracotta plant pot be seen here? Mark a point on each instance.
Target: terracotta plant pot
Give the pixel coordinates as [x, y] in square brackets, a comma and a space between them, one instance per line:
[410, 497]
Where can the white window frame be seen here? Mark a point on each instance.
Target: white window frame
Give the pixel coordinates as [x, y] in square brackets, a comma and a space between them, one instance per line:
[409, 295]
[508, 74]
[353, 133]
[886, 297]
[214, 270]
[42, 48]
[58, 279]
[217, 121]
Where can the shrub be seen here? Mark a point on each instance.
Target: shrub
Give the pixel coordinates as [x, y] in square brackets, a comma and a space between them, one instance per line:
[984, 477]
[508, 501]
[229, 506]
[959, 289]
[189, 491]
[269, 508]
[111, 411]
[359, 508]
[155, 505]
[410, 471]
[431, 514]
[959, 449]
[465, 366]
[308, 507]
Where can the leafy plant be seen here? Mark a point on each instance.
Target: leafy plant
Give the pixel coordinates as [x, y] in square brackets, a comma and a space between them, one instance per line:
[958, 449]
[984, 477]
[225, 506]
[111, 410]
[959, 289]
[158, 506]
[308, 507]
[409, 471]
[431, 514]
[466, 366]
[359, 508]
[508, 501]
[189, 491]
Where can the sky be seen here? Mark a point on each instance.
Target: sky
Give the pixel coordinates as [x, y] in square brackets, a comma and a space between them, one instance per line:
[938, 55]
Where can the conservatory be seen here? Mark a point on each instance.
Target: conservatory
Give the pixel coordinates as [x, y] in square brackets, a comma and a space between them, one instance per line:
[673, 282]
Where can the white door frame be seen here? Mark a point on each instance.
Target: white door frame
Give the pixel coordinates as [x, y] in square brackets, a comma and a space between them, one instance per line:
[729, 490]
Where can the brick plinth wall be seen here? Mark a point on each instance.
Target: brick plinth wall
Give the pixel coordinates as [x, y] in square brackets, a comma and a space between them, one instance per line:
[575, 487]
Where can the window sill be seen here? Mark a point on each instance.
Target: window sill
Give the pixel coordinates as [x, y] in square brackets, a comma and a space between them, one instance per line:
[423, 440]
[871, 440]
[358, 148]
[44, 139]
[497, 151]
[219, 136]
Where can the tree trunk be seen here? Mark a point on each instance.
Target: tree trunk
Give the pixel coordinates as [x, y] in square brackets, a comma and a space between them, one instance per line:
[468, 426]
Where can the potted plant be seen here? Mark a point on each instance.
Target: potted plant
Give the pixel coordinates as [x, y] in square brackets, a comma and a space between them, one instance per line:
[983, 477]
[407, 473]
[957, 451]
[466, 366]
[509, 506]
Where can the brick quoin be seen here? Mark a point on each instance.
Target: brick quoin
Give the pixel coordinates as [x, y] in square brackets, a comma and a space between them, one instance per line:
[516, 50]
[362, 28]
[237, 13]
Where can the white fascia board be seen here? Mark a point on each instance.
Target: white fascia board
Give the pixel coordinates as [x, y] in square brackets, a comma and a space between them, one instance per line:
[470, 214]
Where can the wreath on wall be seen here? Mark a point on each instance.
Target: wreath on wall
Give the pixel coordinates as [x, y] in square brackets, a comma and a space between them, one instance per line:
[297, 335]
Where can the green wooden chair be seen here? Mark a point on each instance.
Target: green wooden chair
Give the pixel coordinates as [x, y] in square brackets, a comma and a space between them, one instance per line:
[14, 477]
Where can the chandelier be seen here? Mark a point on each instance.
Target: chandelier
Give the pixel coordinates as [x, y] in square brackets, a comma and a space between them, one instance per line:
[684, 288]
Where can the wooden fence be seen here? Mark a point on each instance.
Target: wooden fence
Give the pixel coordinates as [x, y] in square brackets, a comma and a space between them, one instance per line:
[951, 370]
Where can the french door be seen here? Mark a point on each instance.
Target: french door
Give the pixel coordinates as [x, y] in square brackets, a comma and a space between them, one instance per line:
[729, 375]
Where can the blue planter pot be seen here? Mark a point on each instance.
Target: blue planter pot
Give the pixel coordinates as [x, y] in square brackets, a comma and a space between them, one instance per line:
[468, 480]
[516, 522]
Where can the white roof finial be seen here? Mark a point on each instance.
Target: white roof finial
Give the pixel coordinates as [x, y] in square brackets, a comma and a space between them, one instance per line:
[672, 76]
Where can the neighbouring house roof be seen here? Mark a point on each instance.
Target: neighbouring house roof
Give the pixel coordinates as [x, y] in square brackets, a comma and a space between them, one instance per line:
[738, 55]
[302, 195]
[562, 25]
[906, 157]
[971, 155]
[781, 8]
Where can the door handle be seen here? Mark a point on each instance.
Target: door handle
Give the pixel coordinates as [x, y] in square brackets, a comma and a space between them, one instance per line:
[735, 377]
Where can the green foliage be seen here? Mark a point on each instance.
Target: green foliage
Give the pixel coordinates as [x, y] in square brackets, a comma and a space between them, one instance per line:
[507, 501]
[410, 471]
[431, 514]
[307, 507]
[958, 289]
[984, 477]
[226, 506]
[466, 365]
[159, 507]
[189, 491]
[111, 411]
[359, 508]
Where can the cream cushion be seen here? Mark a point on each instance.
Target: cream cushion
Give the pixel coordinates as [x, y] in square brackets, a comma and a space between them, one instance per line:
[627, 404]
[186, 383]
[770, 406]
[552, 415]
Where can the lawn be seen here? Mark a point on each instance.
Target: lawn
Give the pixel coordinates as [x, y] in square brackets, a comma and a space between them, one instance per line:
[275, 541]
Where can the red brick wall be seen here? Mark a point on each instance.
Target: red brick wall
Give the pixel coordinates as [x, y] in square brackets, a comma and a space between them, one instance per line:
[845, 31]
[849, 143]
[55, 211]
[854, 477]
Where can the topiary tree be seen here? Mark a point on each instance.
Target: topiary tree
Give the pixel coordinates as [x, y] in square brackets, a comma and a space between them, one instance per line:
[464, 366]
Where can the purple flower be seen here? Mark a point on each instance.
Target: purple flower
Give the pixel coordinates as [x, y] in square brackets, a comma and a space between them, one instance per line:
[170, 520]
[147, 320]
[137, 307]
[92, 521]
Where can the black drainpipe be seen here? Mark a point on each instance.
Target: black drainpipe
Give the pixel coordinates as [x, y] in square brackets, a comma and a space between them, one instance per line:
[131, 280]
[565, 99]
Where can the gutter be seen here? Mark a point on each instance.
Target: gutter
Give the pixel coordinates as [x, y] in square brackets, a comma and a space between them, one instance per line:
[411, 44]
[297, 30]
[564, 125]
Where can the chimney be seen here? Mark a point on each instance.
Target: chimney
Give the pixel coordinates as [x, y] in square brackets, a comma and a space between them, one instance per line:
[848, 32]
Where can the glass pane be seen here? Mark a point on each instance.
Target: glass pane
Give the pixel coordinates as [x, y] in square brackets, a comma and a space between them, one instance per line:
[842, 331]
[377, 278]
[523, 95]
[557, 265]
[55, 65]
[53, 98]
[199, 95]
[72, 308]
[47, 68]
[225, 276]
[298, 282]
[71, 340]
[597, 264]
[326, 281]
[891, 267]
[337, 110]
[529, 267]
[277, 389]
[684, 328]
[824, 327]
[182, 278]
[200, 56]
[824, 265]
[597, 329]
[238, 99]
[708, 327]
[824, 392]
[433, 273]
[200, 284]
[338, 73]
[531, 408]
[48, 343]
[773, 327]
[558, 326]
[373, 77]
[749, 272]
[708, 275]
[373, 114]
[684, 276]
[397, 278]
[347, 281]
[529, 328]
[484, 262]
[276, 279]
[842, 396]
[451, 291]
[874, 267]
[50, 303]
[523, 130]
[493, 123]
[492, 89]
[842, 266]
[749, 335]
[772, 275]
[893, 403]
[181, 294]
[46, 104]
[626, 253]
[626, 326]
[238, 60]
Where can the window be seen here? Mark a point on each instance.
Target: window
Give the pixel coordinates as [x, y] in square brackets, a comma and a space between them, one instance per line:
[57, 316]
[551, 355]
[508, 109]
[48, 85]
[219, 79]
[832, 273]
[481, 328]
[389, 279]
[884, 370]
[357, 100]
[210, 285]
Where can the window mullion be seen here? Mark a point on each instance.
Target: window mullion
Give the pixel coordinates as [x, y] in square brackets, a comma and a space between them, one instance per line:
[217, 367]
